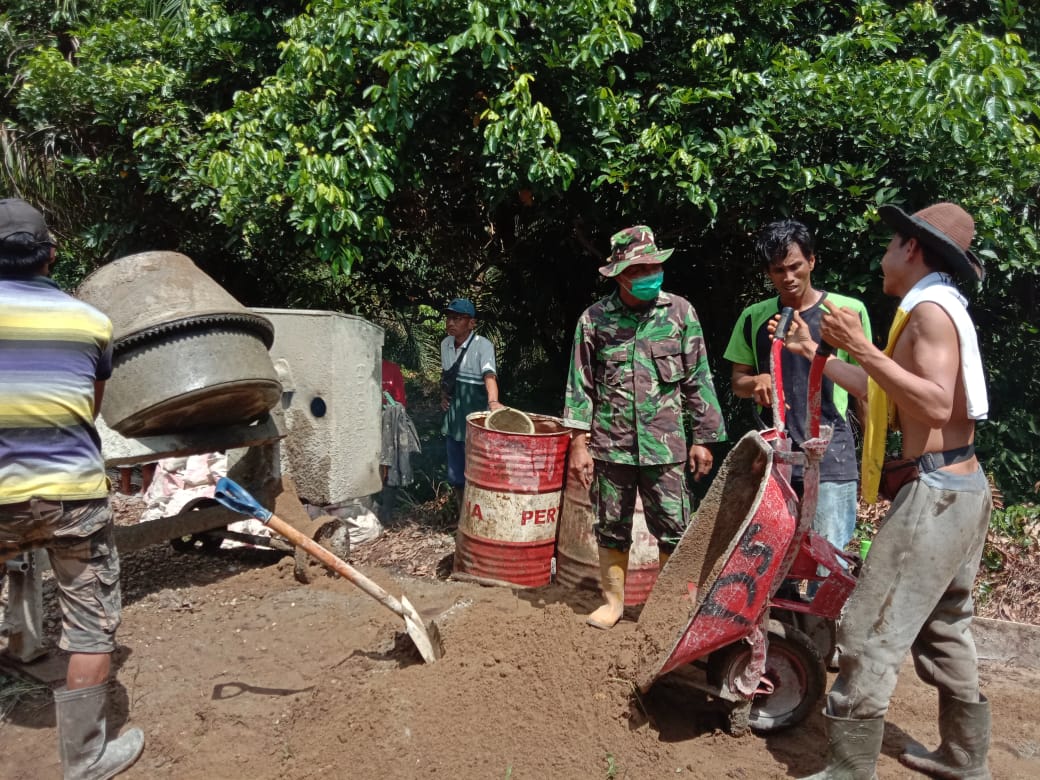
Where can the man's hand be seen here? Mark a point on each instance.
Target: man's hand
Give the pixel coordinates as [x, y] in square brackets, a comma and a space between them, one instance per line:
[762, 390]
[797, 340]
[494, 406]
[842, 328]
[445, 402]
[747, 384]
[701, 461]
[580, 465]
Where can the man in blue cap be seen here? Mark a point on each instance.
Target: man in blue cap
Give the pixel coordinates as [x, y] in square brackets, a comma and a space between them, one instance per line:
[468, 382]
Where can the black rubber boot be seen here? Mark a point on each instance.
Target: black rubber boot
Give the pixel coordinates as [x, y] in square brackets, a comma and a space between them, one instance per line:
[81, 736]
[964, 729]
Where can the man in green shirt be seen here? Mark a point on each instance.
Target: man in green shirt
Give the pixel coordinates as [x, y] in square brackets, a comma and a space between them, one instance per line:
[639, 366]
[785, 250]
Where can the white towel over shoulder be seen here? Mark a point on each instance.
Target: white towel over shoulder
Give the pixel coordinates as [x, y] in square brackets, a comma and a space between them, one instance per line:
[937, 288]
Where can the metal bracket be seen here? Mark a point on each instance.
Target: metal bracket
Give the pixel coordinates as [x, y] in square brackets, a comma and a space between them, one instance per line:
[23, 618]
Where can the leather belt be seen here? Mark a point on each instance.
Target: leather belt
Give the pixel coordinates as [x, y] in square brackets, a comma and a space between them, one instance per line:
[18, 506]
[933, 461]
[24, 506]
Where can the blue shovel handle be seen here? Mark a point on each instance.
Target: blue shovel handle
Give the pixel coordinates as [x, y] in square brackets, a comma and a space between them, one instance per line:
[236, 498]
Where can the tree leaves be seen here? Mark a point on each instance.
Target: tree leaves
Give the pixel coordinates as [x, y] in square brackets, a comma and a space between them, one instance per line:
[496, 144]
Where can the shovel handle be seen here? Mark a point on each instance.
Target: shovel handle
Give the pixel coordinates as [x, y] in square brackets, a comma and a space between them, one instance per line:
[335, 563]
[238, 499]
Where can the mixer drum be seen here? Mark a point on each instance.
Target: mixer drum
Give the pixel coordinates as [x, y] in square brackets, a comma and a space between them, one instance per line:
[186, 353]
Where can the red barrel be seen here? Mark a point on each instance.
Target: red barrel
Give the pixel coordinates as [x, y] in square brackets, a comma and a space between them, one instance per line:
[511, 504]
[577, 554]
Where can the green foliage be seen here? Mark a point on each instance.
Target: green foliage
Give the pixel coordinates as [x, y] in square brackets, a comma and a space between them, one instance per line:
[491, 147]
[1019, 524]
[1012, 522]
[109, 103]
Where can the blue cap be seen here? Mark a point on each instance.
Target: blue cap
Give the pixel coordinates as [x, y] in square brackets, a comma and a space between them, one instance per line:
[462, 306]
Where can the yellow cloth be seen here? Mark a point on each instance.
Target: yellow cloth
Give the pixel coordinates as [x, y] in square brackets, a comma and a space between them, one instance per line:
[880, 413]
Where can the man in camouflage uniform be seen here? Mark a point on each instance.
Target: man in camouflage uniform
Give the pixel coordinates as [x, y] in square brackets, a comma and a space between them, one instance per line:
[639, 362]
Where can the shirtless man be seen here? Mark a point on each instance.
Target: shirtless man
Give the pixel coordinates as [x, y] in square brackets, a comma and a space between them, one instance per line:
[914, 593]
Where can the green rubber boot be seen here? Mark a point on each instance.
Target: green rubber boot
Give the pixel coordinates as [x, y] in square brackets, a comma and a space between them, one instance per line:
[853, 749]
[964, 729]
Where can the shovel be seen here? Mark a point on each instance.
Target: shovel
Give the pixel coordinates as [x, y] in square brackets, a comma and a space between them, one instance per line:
[237, 499]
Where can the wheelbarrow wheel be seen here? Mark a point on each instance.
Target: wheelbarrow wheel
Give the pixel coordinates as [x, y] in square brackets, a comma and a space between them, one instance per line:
[793, 667]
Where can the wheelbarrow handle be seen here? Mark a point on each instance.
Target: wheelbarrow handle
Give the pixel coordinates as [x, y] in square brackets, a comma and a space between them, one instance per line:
[823, 352]
[786, 314]
[776, 370]
[237, 499]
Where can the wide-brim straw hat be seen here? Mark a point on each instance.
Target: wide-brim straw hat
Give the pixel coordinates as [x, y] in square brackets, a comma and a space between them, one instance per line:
[946, 229]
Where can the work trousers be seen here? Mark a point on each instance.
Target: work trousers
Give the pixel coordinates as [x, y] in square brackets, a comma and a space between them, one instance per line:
[914, 594]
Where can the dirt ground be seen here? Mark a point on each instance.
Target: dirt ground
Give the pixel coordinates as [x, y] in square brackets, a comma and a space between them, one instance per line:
[234, 669]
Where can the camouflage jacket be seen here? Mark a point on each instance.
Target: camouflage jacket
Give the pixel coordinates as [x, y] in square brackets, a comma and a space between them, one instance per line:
[633, 374]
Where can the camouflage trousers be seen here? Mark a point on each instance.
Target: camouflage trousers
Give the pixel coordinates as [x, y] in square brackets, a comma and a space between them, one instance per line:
[79, 539]
[666, 503]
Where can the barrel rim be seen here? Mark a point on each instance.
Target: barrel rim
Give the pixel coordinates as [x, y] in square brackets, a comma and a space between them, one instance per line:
[472, 419]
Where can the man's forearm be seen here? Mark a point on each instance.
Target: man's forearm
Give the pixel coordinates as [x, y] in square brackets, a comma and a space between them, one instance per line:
[852, 378]
[491, 385]
[917, 396]
[743, 386]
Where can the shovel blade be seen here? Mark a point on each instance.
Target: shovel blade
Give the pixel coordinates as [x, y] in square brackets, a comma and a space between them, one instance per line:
[428, 641]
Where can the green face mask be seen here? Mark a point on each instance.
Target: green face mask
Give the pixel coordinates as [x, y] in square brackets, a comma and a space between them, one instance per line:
[646, 288]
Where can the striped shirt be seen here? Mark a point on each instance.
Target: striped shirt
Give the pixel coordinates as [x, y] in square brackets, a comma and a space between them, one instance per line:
[52, 350]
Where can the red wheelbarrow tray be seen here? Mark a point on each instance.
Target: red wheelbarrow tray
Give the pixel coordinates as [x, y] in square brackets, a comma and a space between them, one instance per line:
[745, 540]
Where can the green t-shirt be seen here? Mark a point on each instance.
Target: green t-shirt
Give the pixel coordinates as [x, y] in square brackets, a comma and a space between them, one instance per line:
[750, 345]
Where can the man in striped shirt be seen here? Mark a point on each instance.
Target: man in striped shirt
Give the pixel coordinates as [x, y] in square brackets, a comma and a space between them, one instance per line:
[55, 355]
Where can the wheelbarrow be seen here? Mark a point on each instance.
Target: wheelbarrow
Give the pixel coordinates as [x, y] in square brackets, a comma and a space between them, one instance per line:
[707, 621]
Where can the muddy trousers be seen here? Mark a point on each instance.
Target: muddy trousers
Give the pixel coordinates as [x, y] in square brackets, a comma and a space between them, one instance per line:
[914, 594]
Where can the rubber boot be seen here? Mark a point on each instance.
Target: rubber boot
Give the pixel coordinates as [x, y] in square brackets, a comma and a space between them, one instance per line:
[613, 565]
[964, 731]
[853, 748]
[81, 736]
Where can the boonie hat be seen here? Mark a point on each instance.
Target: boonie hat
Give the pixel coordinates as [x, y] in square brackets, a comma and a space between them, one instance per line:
[633, 246]
[17, 216]
[946, 229]
[462, 306]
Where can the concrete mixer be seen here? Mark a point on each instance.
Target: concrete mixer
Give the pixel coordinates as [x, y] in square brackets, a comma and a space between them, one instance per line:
[293, 396]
